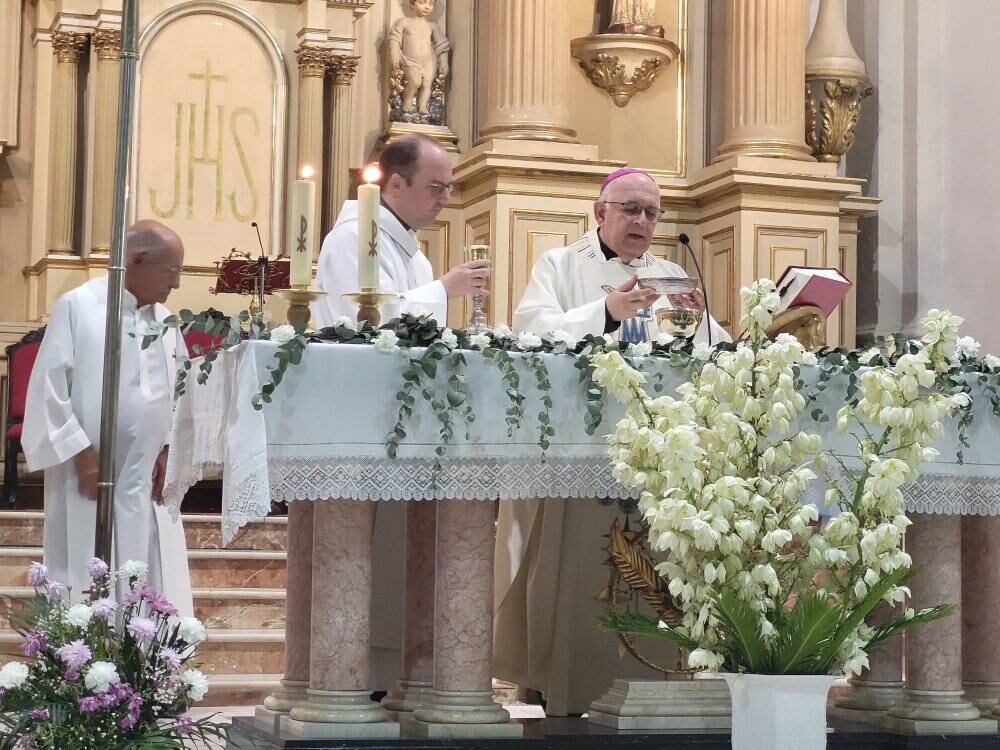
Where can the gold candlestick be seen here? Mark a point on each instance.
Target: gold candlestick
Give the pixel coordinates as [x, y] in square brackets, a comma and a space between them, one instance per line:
[299, 298]
[369, 301]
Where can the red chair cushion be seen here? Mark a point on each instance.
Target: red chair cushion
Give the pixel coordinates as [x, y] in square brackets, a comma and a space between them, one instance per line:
[198, 342]
[14, 432]
[19, 363]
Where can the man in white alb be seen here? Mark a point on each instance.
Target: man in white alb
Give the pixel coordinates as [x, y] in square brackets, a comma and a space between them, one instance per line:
[416, 185]
[550, 555]
[62, 421]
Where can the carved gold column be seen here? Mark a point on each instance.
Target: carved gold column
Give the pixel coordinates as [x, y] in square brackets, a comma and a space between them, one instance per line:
[529, 61]
[107, 45]
[68, 47]
[342, 69]
[312, 69]
[765, 77]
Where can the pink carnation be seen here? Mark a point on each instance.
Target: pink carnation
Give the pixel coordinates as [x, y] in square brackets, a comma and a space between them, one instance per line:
[142, 628]
[38, 575]
[74, 654]
[97, 568]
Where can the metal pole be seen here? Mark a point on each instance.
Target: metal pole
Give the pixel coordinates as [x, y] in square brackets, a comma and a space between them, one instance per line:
[116, 270]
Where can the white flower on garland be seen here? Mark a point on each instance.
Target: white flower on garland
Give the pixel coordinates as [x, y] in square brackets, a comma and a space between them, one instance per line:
[133, 570]
[966, 346]
[664, 338]
[345, 322]
[502, 331]
[196, 682]
[79, 615]
[610, 342]
[448, 338]
[480, 341]
[528, 340]
[565, 338]
[13, 675]
[642, 349]
[101, 676]
[702, 352]
[992, 362]
[283, 334]
[867, 356]
[387, 341]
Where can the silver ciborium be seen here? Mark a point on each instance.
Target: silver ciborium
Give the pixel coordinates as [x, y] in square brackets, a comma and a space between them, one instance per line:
[477, 323]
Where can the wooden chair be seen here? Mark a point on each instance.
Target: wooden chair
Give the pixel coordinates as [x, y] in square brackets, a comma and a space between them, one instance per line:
[20, 359]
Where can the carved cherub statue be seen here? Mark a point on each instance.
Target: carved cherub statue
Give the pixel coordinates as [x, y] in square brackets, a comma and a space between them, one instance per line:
[418, 55]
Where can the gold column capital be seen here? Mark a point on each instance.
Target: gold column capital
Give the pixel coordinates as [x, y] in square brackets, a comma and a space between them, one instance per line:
[342, 68]
[107, 43]
[312, 61]
[69, 46]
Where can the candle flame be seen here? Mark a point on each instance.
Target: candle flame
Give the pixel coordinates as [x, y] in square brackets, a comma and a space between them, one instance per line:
[371, 173]
[307, 172]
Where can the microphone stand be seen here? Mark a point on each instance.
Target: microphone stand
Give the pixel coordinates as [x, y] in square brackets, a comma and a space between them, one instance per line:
[686, 241]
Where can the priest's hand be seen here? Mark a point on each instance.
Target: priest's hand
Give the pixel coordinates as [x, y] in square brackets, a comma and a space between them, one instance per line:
[468, 278]
[87, 465]
[159, 474]
[628, 299]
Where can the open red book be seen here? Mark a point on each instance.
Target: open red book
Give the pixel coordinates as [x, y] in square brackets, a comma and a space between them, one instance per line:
[802, 285]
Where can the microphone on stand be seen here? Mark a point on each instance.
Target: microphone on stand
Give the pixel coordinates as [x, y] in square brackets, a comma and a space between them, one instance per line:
[686, 241]
[262, 266]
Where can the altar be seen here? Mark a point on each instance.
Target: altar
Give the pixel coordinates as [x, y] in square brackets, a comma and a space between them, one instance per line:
[323, 439]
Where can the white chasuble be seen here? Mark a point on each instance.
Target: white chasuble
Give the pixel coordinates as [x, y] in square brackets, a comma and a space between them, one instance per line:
[63, 416]
[550, 554]
[568, 287]
[403, 270]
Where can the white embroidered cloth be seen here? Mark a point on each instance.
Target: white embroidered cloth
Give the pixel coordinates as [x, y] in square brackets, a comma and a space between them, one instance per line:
[323, 436]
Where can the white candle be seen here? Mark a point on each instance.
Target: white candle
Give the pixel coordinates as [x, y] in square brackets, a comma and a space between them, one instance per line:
[368, 212]
[302, 242]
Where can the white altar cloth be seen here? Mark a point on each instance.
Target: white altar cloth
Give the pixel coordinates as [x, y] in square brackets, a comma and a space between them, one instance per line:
[323, 436]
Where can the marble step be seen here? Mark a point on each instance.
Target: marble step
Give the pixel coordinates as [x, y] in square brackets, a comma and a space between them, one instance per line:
[233, 651]
[210, 568]
[218, 608]
[23, 528]
[238, 689]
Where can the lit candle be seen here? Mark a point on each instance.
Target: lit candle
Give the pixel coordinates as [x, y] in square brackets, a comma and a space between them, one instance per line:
[303, 234]
[368, 211]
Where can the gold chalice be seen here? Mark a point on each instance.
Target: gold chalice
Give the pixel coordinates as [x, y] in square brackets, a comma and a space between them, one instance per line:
[477, 324]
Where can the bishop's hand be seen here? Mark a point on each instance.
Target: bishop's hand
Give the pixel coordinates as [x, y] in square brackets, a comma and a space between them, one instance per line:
[86, 463]
[628, 299]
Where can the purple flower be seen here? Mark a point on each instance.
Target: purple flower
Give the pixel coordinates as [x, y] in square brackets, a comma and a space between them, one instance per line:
[34, 643]
[142, 629]
[171, 658]
[75, 654]
[137, 593]
[97, 568]
[185, 724]
[129, 721]
[71, 675]
[38, 575]
[163, 605]
[55, 592]
[104, 608]
[39, 714]
[90, 704]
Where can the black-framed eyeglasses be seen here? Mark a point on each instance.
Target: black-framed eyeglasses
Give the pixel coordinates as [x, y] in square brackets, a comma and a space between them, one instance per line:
[632, 210]
[440, 188]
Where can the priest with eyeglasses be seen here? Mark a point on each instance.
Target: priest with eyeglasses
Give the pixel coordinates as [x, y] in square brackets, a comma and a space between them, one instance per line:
[591, 286]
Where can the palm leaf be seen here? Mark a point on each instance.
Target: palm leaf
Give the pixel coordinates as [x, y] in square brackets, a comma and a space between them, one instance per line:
[856, 615]
[743, 639]
[804, 639]
[887, 630]
[636, 623]
[638, 572]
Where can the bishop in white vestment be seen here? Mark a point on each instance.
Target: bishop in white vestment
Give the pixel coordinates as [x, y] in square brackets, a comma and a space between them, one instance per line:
[62, 422]
[550, 554]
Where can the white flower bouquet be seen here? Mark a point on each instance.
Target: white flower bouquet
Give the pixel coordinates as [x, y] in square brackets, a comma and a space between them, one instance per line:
[759, 585]
[104, 673]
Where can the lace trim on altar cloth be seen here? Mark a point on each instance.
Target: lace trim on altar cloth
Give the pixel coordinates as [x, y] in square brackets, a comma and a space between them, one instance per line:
[953, 495]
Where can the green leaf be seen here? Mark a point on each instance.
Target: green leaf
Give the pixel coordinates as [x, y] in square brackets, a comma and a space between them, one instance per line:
[456, 398]
[742, 631]
[430, 367]
[806, 636]
[636, 623]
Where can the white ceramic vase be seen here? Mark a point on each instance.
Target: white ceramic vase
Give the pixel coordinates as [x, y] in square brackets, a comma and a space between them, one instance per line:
[779, 712]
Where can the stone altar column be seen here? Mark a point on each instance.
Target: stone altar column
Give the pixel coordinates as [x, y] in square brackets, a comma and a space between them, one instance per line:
[338, 695]
[881, 685]
[107, 44]
[529, 61]
[463, 628]
[312, 69]
[417, 671]
[933, 701]
[765, 79]
[981, 610]
[298, 617]
[69, 47]
[342, 69]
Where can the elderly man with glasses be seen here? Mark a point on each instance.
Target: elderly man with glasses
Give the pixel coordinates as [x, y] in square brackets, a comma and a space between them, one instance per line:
[590, 286]
[416, 185]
